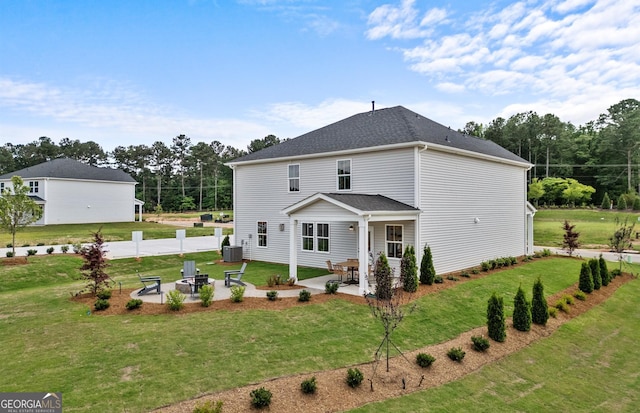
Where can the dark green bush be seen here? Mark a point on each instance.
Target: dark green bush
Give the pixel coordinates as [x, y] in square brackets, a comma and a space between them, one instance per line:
[616, 272]
[586, 282]
[480, 343]
[456, 354]
[438, 279]
[9, 254]
[331, 287]
[133, 304]
[427, 270]
[50, 250]
[521, 311]
[594, 265]
[409, 270]
[384, 278]
[604, 271]
[424, 359]
[606, 201]
[354, 377]
[496, 327]
[104, 294]
[485, 265]
[101, 304]
[272, 295]
[260, 398]
[452, 278]
[475, 271]
[464, 274]
[64, 249]
[304, 296]
[40, 244]
[209, 407]
[9, 245]
[539, 307]
[26, 245]
[309, 386]
[31, 252]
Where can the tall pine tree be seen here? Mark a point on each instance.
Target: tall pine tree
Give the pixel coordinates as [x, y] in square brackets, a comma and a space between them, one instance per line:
[521, 312]
[539, 308]
[586, 282]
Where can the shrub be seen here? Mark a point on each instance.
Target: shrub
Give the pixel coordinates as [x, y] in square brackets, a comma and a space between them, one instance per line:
[64, 249]
[133, 304]
[539, 307]
[438, 279]
[226, 242]
[101, 304]
[354, 377]
[562, 305]
[586, 281]
[304, 296]
[260, 398]
[465, 274]
[9, 245]
[606, 201]
[546, 252]
[495, 319]
[272, 295]
[31, 252]
[521, 311]
[485, 265]
[209, 407]
[568, 299]
[594, 265]
[384, 278]
[456, 354]
[175, 300]
[309, 386]
[480, 343]
[616, 272]
[622, 202]
[50, 250]
[604, 271]
[553, 312]
[237, 294]
[104, 294]
[409, 270]
[580, 295]
[291, 281]
[77, 247]
[475, 271]
[424, 359]
[9, 254]
[40, 244]
[206, 295]
[427, 270]
[274, 280]
[452, 278]
[331, 287]
[26, 245]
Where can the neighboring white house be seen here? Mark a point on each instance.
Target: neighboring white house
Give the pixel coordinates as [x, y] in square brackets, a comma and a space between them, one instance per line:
[71, 192]
[377, 182]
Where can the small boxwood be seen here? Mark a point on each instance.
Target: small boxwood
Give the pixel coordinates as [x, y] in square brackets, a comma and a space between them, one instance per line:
[309, 386]
[331, 287]
[104, 294]
[354, 377]
[101, 304]
[480, 343]
[456, 354]
[304, 296]
[425, 360]
[260, 398]
[272, 295]
[133, 304]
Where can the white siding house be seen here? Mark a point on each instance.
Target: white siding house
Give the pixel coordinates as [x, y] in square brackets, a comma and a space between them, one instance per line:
[378, 182]
[71, 192]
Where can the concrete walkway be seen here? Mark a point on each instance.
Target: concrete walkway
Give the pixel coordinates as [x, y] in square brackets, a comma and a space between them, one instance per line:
[629, 257]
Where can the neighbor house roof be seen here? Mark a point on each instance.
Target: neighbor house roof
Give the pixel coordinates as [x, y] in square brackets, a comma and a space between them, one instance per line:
[70, 169]
[395, 125]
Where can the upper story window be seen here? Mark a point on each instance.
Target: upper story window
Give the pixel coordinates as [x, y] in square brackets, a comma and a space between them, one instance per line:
[344, 175]
[33, 187]
[294, 178]
[262, 234]
[394, 241]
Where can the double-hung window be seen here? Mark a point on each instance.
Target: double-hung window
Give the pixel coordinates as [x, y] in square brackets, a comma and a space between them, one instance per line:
[344, 174]
[294, 178]
[33, 187]
[394, 241]
[262, 234]
[315, 237]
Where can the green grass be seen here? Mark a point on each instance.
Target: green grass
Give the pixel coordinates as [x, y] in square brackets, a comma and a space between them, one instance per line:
[589, 364]
[595, 226]
[136, 363]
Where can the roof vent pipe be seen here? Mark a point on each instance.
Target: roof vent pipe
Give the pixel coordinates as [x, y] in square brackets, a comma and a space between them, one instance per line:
[373, 106]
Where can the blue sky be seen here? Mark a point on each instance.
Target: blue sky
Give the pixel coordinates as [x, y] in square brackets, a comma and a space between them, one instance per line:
[134, 72]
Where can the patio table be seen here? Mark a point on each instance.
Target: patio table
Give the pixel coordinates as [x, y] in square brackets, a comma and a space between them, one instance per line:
[351, 265]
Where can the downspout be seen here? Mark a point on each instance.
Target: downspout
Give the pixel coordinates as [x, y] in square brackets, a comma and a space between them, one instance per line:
[417, 191]
[235, 203]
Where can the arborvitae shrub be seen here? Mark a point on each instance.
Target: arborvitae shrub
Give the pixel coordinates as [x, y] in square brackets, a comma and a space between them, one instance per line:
[495, 319]
[427, 270]
[594, 266]
[636, 204]
[409, 270]
[480, 343]
[424, 359]
[604, 271]
[539, 307]
[606, 202]
[521, 312]
[586, 282]
[622, 203]
[384, 278]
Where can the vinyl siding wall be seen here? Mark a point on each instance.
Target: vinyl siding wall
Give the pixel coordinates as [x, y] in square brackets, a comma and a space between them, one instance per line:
[262, 191]
[455, 191]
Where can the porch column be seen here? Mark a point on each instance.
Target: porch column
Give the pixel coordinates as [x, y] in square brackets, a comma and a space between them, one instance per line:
[293, 251]
[363, 255]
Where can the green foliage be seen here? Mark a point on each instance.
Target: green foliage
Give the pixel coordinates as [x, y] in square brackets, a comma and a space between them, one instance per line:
[260, 398]
[539, 307]
[521, 311]
[17, 210]
[384, 278]
[438, 279]
[562, 305]
[616, 272]
[485, 265]
[275, 279]
[331, 287]
[536, 191]
[104, 294]
[9, 254]
[480, 343]
[465, 274]
[456, 354]
[580, 295]
[636, 203]
[133, 304]
[226, 242]
[50, 250]
[452, 278]
[101, 304]
[496, 326]
[586, 281]
[427, 270]
[175, 300]
[237, 294]
[424, 359]
[606, 201]
[409, 270]
[604, 271]
[31, 252]
[208, 407]
[622, 203]
[568, 299]
[309, 386]
[206, 295]
[272, 295]
[354, 377]
[304, 296]
[64, 249]
[553, 312]
[475, 271]
[594, 265]
[570, 238]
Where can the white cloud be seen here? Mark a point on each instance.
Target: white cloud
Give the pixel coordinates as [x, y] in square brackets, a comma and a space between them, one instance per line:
[450, 87]
[402, 22]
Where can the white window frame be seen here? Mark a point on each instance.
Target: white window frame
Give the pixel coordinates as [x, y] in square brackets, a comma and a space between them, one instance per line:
[388, 242]
[344, 175]
[313, 239]
[33, 187]
[262, 235]
[292, 178]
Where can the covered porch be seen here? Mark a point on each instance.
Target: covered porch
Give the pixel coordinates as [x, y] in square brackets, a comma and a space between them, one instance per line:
[338, 226]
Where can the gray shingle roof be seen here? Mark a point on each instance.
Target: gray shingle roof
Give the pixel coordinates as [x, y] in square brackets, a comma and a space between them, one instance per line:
[388, 126]
[70, 169]
[371, 203]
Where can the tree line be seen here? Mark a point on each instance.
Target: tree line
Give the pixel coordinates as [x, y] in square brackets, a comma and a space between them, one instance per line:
[603, 154]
